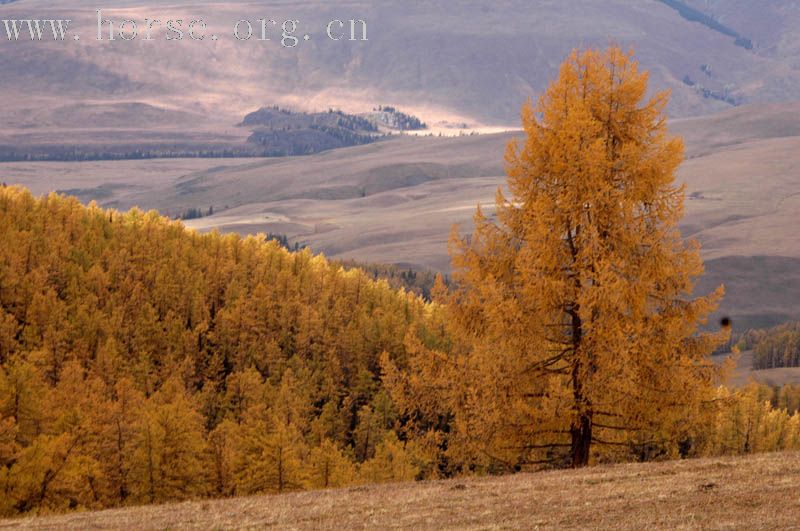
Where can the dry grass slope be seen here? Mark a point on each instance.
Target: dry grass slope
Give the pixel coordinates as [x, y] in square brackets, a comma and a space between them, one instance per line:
[754, 492]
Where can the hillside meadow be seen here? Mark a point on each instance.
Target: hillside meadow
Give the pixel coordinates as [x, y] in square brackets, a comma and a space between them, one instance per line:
[752, 492]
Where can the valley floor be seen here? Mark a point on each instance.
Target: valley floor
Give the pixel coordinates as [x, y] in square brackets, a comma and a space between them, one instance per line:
[753, 492]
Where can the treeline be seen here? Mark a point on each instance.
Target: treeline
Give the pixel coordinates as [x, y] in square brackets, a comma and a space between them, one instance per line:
[694, 15]
[91, 152]
[196, 213]
[774, 347]
[279, 119]
[397, 119]
[277, 133]
[758, 418]
[141, 363]
[417, 282]
[786, 397]
[306, 141]
[724, 95]
[283, 241]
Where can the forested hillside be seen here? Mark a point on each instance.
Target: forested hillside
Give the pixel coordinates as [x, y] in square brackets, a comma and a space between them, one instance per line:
[281, 132]
[142, 363]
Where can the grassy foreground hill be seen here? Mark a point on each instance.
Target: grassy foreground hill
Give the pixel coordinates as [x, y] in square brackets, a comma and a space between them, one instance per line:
[753, 492]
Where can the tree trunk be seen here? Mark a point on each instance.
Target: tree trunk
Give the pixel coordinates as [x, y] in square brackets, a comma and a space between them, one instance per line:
[581, 440]
[581, 429]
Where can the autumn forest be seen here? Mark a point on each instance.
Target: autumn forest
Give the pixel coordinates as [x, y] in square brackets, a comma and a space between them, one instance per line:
[142, 362]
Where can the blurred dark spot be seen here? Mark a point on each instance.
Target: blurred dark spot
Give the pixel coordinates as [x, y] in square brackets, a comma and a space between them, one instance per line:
[725, 322]
[459, 486]
[707, 486]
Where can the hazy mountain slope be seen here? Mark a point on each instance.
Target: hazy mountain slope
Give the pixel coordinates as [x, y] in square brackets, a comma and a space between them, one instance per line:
[771, 25]
[473, 64]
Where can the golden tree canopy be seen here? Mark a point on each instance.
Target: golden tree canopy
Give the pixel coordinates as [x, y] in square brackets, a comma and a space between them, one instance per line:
[578, 296]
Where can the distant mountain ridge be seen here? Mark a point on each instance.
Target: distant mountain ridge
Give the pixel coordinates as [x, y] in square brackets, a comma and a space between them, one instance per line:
[474, 65]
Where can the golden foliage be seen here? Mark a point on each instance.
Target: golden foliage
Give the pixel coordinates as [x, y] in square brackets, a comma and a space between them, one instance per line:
[574, 304]
[141, 362]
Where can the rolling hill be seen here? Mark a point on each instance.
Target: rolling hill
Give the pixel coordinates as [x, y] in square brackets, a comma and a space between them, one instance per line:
[755, 491]
[395, 201]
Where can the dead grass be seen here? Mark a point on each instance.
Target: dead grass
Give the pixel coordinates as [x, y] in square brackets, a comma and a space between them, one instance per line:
[754, 492]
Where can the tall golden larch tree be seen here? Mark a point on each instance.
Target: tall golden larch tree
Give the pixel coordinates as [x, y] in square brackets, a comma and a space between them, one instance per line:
[329, 467]
[168, 461]
[578, 298]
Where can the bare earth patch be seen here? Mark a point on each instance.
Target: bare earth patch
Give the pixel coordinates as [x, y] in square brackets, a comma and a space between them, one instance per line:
[753, 492]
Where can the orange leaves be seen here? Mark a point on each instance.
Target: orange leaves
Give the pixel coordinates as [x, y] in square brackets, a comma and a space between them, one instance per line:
[178, 365]
[575, 301]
